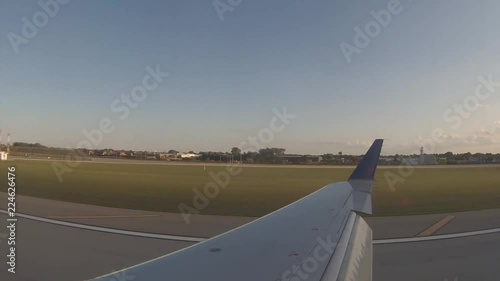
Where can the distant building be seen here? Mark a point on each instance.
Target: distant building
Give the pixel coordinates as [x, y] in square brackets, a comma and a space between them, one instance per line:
[475, 160]
[291, 159]
[301, 159]
[151, 156]
[442, 160]
[386, 160]
[310, 159]
[427, 159]
[3, 155]
[423, 159]
[413, 161]
[189, 155]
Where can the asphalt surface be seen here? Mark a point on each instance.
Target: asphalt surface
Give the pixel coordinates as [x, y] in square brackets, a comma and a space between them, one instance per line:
[47, 252]
[210, 225]
[152, 222]
[465, 259]
[52, 252]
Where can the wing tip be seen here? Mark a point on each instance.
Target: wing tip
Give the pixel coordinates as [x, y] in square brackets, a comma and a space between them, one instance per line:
[368, 165]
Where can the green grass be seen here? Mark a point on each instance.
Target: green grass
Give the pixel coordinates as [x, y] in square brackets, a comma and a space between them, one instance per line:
[254, 192]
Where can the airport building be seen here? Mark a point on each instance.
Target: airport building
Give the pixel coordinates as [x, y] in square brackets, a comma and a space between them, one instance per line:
[301, 159]
[4, 154]
[428, 159]
[423, 159]
[189, 155]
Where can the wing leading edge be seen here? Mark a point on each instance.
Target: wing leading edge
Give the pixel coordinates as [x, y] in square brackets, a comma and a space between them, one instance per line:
[319, 237]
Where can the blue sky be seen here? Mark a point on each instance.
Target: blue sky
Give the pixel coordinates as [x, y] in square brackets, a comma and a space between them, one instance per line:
[226, 77]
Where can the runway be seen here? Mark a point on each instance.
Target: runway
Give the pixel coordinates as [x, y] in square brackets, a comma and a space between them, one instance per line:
[47, 251]
[104, 160]
[180, 238]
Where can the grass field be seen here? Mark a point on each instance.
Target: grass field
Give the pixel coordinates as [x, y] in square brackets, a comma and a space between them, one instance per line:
[255, 191]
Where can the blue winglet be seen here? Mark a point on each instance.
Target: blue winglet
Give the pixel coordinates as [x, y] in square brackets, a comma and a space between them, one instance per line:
[366, 168]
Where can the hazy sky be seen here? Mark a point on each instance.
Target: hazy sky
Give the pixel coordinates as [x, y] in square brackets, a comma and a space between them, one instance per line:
[226, 76]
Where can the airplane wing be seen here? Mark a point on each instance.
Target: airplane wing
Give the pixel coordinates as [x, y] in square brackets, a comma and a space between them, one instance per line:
[319, 237]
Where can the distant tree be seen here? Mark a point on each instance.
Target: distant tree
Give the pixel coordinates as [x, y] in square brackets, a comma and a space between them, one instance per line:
[250, 156]
[328, 156]
[171, 151]
[271, 154]
[24, 144]
[235, 151]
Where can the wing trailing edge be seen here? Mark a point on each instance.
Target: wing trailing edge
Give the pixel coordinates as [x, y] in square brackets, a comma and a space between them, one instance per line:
[353, 257]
